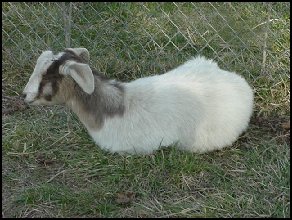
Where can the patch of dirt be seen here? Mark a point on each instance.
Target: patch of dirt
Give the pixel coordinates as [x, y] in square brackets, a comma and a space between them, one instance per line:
[277, 126]
[44, 160]
[11, 104]
[125, 198]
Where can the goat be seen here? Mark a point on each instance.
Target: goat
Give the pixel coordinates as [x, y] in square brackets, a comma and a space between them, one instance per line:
[197, 106]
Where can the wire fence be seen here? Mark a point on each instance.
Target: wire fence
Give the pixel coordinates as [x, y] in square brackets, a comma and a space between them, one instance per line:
[132, 39]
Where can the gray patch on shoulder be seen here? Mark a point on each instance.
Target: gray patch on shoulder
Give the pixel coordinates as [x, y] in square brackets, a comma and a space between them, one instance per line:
[107, 100]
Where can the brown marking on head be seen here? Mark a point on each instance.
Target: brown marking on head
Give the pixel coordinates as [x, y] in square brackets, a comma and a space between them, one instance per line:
[54, 78]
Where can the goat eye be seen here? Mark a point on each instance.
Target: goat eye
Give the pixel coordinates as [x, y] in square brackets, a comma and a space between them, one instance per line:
[48, 97]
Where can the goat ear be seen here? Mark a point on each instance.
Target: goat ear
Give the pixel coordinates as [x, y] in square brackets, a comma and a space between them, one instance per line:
[81, 73]
[82, 52]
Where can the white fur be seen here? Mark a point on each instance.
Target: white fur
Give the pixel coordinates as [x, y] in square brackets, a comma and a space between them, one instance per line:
[197, 105]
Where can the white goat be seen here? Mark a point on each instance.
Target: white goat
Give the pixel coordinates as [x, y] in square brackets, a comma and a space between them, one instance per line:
[197, 106]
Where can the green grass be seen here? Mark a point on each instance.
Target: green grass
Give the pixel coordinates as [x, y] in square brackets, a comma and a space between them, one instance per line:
[52, 168]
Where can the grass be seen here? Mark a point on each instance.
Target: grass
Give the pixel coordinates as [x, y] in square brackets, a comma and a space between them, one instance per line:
[52, 168]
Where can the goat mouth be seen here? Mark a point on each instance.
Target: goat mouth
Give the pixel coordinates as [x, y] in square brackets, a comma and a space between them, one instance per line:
[29, 102]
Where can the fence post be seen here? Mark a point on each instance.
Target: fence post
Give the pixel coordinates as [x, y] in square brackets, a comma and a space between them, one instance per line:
[67, 12]
[266, 38]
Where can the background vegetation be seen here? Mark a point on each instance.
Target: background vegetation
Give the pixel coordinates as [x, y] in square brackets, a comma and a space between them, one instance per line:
[52, 168]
